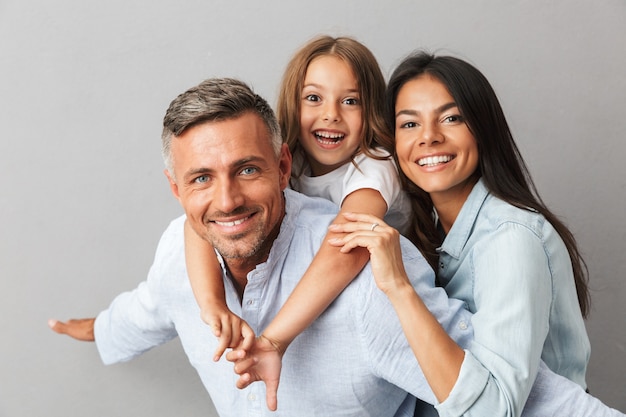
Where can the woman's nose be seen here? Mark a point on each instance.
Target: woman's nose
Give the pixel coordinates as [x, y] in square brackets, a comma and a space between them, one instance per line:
[430, 135]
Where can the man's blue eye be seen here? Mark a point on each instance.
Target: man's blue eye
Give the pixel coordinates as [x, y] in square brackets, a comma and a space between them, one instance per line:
[201, 179]
[248, 171]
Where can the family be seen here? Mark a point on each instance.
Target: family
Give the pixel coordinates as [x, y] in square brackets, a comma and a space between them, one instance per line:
[371, 249]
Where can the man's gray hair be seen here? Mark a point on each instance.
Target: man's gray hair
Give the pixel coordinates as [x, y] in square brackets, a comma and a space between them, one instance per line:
[213, 100]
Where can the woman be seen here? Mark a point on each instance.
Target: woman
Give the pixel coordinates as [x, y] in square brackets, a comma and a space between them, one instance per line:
[478, 220]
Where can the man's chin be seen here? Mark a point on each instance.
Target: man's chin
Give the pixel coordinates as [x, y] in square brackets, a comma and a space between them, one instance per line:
[236, 250]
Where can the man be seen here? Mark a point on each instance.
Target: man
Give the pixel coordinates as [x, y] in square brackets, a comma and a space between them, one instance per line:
[229, 170]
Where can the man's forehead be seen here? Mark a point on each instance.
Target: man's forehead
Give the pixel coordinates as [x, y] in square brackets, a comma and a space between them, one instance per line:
[223, 143]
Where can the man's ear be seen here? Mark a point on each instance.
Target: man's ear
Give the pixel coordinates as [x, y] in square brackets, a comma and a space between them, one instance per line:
[284, 165]
[173, 185]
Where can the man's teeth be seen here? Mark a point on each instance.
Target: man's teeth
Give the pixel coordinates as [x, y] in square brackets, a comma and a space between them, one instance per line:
[434, 160]
[231, 224]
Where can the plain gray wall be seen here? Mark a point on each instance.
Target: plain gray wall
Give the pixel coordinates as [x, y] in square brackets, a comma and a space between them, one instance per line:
[83, 90]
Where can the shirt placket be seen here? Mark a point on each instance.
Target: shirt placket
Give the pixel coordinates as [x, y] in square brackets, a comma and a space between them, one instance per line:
[255, 395]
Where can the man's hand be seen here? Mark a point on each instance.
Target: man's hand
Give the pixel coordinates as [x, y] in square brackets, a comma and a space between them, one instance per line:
[262, 362]
[79, 329]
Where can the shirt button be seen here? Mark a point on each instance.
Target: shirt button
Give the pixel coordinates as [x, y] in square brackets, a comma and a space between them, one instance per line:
[252, 397]
[250, 302]
[462, 325]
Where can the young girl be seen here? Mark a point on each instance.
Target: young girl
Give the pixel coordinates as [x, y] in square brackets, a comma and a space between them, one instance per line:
[330, 109]
[494, 244]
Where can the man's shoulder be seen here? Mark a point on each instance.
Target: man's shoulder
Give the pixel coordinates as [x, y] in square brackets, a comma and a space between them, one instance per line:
[417, 268]
[306, 210]
[171, 244]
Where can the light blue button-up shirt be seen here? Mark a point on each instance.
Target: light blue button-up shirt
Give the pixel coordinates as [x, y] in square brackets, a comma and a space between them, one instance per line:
[514, 272]
[352, 361]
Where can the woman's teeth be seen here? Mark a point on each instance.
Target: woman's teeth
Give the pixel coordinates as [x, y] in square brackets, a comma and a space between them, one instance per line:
[434, 160]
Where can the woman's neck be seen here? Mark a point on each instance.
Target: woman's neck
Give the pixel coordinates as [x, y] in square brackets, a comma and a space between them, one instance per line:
[450, 203]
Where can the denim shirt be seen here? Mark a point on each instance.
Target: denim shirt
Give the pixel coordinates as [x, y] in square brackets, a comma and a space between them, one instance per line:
[513, 271]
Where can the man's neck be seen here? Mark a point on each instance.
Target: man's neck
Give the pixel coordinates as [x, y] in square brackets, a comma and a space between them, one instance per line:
[239, 268]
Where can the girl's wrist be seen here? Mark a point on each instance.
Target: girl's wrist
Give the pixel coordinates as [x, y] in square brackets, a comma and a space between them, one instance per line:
[279, 345]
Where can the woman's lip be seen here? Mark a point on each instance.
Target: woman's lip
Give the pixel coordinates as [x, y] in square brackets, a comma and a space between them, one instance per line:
[434, 160]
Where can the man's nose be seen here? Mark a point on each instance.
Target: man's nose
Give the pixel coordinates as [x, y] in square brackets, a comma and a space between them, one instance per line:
[227, 196]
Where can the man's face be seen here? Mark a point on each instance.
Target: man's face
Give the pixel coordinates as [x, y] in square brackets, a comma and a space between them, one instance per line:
[230, 182]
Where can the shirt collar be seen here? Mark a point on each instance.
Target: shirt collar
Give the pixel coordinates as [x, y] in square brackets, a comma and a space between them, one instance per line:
[282, 241]
[461, 230]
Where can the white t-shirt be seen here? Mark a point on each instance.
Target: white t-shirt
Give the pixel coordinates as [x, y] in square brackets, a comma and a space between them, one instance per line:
[380, 175]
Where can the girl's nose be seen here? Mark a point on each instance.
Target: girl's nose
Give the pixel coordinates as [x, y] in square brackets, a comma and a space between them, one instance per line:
[330, 113]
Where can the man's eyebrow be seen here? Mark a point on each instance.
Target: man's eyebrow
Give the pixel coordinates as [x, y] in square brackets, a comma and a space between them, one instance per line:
[440, 109]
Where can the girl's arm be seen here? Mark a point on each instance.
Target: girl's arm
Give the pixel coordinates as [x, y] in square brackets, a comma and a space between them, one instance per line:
[329, 273]
[205, 276]
[438, 355]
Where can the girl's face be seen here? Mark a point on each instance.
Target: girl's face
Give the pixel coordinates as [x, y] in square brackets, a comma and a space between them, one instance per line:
[435, 148]
[330, 114]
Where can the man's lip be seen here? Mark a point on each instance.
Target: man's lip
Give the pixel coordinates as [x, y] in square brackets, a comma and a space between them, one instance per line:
[231, 223]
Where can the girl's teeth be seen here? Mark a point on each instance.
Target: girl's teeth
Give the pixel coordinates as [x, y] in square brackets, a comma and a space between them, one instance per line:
[328, 138]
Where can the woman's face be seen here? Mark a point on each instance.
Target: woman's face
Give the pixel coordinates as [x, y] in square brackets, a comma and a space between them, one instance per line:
[435, 148]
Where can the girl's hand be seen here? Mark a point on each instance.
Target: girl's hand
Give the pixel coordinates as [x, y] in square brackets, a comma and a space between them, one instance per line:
[231, 330]
[262, 362]
[382, 242]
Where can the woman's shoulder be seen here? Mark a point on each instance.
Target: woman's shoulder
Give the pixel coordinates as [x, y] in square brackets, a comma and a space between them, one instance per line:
[500, 214]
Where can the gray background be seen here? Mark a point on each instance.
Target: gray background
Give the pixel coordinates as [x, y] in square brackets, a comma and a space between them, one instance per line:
[83, 90]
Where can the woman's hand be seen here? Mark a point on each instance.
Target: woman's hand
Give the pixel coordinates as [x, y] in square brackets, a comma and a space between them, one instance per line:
[382, 242]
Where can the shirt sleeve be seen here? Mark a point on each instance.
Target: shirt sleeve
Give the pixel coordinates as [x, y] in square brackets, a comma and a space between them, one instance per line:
[380, 175]
[384, 341]
[555, 395]
[513, 294]
[137, 321]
